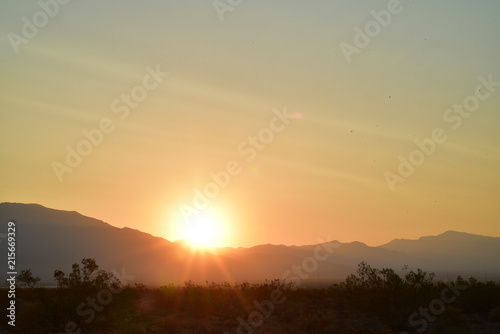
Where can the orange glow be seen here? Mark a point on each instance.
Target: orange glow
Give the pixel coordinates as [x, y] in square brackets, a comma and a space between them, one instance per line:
[206, 229]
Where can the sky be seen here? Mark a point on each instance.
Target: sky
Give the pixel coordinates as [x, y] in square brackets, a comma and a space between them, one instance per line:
[284, 122]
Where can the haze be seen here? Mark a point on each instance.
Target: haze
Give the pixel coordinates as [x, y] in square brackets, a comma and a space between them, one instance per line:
[323, 174]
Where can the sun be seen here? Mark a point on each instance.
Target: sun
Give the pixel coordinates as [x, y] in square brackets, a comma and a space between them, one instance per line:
[204, 230]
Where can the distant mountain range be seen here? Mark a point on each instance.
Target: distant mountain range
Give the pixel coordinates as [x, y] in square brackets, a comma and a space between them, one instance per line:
[49, 239]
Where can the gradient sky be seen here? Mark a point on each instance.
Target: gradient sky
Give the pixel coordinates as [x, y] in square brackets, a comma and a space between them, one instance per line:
[323, 175]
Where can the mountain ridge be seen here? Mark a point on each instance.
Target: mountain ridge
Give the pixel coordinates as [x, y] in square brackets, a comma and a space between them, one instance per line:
[55, 239]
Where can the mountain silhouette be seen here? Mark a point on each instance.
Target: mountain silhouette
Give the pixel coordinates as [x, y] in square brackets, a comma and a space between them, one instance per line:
[48, 239]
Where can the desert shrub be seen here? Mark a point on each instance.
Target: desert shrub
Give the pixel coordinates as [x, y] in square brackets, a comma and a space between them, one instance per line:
[70, 302]
[87, 278]
[478, 296]
[26, 278]
[371, 301]
[134, 324]
[495, 315]
[452, 321]
[386, 295]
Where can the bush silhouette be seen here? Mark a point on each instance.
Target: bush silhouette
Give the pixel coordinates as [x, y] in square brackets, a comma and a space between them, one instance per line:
[26, 278]
[495, 315]
[371, 301]
[90, 277]
[452, 321]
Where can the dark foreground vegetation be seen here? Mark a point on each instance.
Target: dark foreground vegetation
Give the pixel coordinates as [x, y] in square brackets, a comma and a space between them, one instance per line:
[90, 300]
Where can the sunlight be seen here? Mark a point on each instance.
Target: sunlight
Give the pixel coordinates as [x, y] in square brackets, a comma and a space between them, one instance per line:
[206, 229]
